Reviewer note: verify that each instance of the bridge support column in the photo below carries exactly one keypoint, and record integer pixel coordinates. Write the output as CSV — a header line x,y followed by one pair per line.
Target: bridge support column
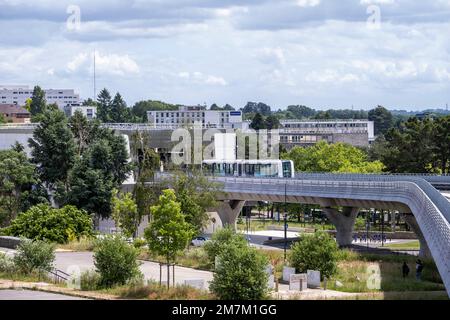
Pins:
x,y
228,212
412,223
344,221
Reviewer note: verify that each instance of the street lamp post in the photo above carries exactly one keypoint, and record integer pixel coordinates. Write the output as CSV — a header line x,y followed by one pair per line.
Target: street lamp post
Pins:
x,y
285,222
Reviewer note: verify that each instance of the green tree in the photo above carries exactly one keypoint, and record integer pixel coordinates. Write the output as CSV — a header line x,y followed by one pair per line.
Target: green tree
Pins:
x,y
168,233
258,122
125,213
241,274
301,112
227,107
88,189
82,130
32,256
43,222
146,162
104,102
119,112
2,119
315,252
323,115
441,143
16,179
38,102
196,194
382,118
253,107
90,102
115,261
409,148
220,240
272,122
338,158
53,148
140,108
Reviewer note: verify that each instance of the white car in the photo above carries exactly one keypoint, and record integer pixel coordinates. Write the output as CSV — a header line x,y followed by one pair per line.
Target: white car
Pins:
x,y
198,241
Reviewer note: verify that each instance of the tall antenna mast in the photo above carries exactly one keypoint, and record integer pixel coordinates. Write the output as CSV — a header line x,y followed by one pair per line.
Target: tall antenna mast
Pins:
x,y
95,89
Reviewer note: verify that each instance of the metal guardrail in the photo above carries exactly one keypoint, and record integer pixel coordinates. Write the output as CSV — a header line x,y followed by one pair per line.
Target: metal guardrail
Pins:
x,y
59,275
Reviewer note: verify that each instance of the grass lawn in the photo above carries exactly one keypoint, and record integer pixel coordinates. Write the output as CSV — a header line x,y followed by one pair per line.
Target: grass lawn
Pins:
x,y
260,225
153,291
411,245
383,273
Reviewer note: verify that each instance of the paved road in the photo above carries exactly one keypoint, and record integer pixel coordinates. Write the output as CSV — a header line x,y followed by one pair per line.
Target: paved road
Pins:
x,y
33,295
72,261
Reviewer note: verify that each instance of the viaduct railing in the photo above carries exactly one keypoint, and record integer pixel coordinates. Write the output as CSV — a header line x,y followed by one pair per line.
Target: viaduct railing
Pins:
x,y
430,208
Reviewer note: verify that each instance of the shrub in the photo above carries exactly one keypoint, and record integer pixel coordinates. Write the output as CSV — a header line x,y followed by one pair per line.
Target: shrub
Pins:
x,y
6,264
315,252
42,222
34,256
139,243
241,274
89,281
220,240
115,261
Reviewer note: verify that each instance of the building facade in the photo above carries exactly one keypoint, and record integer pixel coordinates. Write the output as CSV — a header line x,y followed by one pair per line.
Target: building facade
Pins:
x,y
15,114
359,133
89,112
18,95
197,115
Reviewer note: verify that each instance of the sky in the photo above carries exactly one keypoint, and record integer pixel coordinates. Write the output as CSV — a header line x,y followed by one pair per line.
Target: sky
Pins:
x,y
319,53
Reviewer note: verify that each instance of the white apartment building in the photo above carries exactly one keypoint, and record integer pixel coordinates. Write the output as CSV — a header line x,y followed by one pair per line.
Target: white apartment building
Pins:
x,y
186,116
89,112
18,95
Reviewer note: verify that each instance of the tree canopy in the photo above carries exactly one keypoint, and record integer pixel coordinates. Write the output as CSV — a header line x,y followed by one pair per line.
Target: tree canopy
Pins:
x,y
416,146
337,158
17,176
382,118
53,148
168,233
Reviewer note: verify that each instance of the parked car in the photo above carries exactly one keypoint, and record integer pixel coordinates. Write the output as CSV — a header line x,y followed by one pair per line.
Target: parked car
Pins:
x,y
198,241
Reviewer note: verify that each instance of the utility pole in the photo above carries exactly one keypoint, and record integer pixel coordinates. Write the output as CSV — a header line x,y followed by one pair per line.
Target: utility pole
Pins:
x,y
382,228
95,84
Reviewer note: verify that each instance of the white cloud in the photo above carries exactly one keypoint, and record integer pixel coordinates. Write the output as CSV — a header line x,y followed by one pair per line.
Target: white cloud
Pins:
x,y
116,64
77,62
113,64
201,78
307,3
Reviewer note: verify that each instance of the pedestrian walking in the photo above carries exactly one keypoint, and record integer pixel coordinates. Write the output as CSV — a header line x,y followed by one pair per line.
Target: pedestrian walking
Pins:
x,y
419,269
405,270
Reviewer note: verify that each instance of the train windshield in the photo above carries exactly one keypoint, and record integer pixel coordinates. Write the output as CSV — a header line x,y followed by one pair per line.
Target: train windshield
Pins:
x,y
287,169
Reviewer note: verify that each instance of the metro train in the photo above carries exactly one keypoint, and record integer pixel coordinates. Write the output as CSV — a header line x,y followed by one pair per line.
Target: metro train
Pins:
x,y
249,168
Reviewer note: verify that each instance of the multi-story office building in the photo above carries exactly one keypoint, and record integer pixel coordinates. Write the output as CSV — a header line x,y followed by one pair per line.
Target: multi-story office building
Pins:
x,y
186,116
359,133
18,95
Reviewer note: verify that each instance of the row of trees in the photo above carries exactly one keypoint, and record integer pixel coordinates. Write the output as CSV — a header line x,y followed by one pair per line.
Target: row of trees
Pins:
x,y
416,146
